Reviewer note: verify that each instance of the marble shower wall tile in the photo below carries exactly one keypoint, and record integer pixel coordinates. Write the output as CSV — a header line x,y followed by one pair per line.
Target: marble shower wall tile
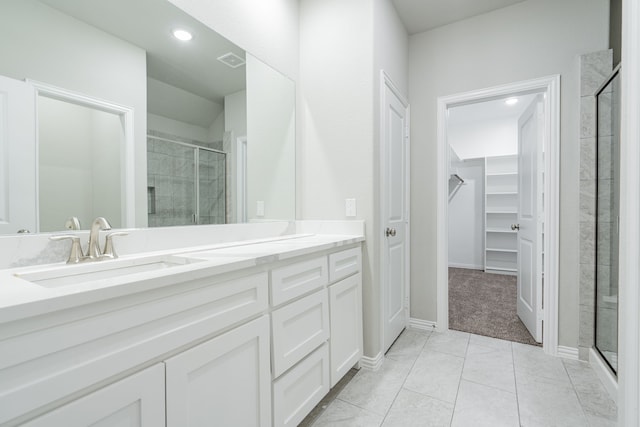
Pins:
x,y
588,158
587,117
594,68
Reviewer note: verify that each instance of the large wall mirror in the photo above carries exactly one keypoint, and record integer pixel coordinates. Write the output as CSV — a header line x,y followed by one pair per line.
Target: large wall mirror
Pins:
x,y
211,137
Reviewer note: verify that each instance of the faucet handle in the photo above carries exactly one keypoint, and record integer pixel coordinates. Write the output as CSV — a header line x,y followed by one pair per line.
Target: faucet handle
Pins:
x,y
109,250
76,255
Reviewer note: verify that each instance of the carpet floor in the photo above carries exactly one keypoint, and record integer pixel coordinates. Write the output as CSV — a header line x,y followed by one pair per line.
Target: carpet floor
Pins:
x,y
485,304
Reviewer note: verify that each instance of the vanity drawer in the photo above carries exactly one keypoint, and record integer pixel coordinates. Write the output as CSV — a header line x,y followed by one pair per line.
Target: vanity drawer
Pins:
x,y
298,391
345,263
298,329
297,279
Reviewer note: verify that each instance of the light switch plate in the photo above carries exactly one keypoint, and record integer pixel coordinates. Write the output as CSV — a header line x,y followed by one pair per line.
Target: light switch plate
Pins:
x,y
260,208
350,207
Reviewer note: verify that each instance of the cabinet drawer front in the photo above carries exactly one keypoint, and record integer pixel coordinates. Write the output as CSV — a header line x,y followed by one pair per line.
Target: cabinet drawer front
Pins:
x,y
345,263
224,381
345,306
298,391
294,280
298,329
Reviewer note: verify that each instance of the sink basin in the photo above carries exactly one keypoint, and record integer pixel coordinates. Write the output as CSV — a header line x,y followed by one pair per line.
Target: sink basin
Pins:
x,y
91,271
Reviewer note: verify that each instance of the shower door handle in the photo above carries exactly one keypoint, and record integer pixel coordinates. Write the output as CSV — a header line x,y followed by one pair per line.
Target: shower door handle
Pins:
x,y
515,227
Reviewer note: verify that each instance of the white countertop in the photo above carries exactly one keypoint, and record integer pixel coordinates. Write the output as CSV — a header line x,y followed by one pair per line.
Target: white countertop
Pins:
x,y
21,298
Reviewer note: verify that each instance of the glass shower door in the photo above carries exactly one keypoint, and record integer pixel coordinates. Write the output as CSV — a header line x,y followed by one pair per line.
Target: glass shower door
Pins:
x,y
211,187
607,220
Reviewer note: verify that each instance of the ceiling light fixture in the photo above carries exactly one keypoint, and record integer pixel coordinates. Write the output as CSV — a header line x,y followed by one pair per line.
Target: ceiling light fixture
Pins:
x,y
511,101
182,35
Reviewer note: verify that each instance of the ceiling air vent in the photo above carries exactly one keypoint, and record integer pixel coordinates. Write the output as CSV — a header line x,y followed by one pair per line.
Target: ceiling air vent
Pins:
x,y
231,59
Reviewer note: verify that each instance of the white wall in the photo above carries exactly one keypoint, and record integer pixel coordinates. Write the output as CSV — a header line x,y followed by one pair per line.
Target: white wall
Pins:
x,y
178,104
466,216
343,46
177,128
42,44
486,138
235,113
271,116
527,40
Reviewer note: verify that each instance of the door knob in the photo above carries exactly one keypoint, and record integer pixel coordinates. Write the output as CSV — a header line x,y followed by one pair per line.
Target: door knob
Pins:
x,y
515,227
390,232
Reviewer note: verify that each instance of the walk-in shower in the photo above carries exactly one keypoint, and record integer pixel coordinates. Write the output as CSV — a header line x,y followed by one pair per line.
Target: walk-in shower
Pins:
x,y
607,218
186,182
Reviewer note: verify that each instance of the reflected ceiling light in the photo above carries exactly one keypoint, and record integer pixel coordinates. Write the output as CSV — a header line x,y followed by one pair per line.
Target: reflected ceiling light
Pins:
x,y
183,35
511,101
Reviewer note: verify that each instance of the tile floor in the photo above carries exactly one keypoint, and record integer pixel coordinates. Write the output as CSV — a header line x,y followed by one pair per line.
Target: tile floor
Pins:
x,y
461,379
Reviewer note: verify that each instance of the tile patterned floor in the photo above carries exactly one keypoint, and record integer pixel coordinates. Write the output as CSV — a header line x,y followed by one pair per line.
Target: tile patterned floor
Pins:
x,y
461,379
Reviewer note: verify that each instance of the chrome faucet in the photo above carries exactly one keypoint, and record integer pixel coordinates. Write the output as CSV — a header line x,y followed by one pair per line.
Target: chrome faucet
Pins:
x,y
100,223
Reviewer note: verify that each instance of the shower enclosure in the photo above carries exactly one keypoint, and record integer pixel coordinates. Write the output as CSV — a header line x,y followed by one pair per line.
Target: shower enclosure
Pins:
x,y
186,182
607,219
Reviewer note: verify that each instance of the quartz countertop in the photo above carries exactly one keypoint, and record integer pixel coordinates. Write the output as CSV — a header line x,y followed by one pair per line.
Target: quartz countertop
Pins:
x,y
21,298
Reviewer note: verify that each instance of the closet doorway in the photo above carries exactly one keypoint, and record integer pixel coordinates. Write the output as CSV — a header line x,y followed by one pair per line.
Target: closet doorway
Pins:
x,y
498,215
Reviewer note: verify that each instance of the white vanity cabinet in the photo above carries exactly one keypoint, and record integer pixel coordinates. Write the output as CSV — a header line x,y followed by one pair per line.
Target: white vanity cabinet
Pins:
x,y
136,401
225,381
318,337
259,345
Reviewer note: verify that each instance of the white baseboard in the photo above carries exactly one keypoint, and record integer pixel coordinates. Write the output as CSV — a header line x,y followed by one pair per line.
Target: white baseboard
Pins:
x,y
568,352
603,372
372,363
425,325
467,266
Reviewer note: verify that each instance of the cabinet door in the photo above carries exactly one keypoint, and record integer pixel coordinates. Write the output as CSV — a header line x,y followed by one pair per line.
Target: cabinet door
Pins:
x,y
137,400
345,306
224,381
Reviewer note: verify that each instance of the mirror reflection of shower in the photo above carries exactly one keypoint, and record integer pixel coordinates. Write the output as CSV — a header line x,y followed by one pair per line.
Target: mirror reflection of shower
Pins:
x,y
186,181
607,219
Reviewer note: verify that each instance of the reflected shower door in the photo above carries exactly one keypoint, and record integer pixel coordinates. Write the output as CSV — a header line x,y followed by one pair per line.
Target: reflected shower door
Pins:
x,y
211,187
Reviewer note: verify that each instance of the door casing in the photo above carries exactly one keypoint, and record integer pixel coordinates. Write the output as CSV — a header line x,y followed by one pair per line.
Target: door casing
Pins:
x,y
550,87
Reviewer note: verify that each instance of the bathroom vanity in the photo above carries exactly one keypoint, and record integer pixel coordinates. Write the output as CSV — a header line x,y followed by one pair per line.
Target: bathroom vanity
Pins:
x,y
236,334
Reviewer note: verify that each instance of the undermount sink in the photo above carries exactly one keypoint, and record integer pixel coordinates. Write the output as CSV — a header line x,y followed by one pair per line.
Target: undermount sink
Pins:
x,y
89,272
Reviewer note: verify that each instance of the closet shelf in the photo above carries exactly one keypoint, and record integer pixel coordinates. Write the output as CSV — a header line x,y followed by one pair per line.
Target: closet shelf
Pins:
x,y
502,174
488,267
503,211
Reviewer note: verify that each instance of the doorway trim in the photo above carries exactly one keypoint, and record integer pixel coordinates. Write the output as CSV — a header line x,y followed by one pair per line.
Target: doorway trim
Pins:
x,y
549,85
128,143
386,82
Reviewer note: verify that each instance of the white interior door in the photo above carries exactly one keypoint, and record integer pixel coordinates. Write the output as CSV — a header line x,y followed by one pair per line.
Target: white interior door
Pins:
x,y
395,217
530,214
17,157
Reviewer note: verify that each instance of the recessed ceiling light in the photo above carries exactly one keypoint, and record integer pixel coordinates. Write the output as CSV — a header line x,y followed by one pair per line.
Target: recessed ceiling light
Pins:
x,y
183,35
511,101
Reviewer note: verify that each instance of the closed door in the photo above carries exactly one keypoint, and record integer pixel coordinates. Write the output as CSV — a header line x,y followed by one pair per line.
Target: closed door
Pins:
x,y
394,164
530,138
17,157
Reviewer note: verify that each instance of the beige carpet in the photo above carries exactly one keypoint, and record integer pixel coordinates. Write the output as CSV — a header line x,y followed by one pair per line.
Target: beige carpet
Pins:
x,y
485,304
